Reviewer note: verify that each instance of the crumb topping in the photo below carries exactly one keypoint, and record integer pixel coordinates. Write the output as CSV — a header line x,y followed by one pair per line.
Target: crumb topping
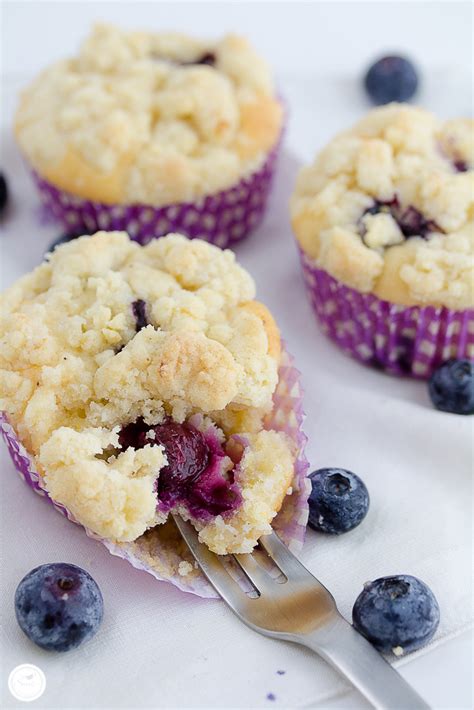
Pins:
x,y
80,360
153,118
388,207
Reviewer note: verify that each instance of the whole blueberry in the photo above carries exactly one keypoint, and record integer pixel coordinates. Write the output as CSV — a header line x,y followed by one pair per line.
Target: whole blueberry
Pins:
x,y
391,79
398,614
185,446
64,238
3,193
451,387
338,501
58,606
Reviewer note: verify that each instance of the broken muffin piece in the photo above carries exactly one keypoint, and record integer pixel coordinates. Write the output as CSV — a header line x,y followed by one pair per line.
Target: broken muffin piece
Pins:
x,y
128,424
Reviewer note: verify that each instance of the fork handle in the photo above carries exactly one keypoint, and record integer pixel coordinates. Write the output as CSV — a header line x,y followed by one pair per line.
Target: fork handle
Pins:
x,y
353,656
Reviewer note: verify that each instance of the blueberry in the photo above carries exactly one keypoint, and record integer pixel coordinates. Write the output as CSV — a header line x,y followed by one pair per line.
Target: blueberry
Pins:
x,y
338,501
64,238
208,58
186,452
398,614
451,387
391,79
461,166
139,313
414,224
411,221
193,474
3,193
185,447
58,606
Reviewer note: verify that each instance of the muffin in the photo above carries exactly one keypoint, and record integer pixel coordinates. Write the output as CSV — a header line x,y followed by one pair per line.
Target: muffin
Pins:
x,y
153,132
384,224
146,380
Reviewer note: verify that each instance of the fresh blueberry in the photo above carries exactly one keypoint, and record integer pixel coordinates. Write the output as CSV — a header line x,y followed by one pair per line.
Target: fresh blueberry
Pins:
x,y
64,238
451,387
338,501
391,79
3,193
185,447
58,606
398,614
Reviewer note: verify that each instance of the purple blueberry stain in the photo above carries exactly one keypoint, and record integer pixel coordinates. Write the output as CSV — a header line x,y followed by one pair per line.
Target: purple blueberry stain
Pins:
x,y
461,166
411,221
414,224
281,672
141,321
139,313
271,696
188,456
209,59
193,474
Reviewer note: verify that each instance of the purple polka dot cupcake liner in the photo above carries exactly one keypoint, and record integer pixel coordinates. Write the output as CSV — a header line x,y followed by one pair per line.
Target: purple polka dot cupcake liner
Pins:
x,y
402,340
223,218
161,552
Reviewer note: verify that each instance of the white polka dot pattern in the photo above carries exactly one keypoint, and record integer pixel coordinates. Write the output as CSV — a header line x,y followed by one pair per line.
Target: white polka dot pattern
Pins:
x,y
402,340
222,219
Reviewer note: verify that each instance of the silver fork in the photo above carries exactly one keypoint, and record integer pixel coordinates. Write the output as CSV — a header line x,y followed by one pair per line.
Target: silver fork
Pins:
x,y
297,607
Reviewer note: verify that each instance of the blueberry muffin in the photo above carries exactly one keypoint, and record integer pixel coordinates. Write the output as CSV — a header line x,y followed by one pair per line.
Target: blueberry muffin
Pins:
x,y
150,119
139,379
384,222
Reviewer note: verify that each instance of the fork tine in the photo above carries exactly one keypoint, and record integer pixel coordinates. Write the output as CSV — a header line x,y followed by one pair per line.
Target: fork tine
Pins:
x,y
283,557
275,547
303,611
213,568
255,572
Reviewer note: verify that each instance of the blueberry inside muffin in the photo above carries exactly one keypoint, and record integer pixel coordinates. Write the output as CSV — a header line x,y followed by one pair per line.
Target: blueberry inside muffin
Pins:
x,y
139,379
150,118
388,207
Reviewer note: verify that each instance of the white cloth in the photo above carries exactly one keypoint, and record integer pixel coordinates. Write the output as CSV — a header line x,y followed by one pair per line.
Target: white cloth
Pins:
x,y
159,647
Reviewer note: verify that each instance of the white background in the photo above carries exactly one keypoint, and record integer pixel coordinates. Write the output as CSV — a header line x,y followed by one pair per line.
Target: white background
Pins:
x,y
356,418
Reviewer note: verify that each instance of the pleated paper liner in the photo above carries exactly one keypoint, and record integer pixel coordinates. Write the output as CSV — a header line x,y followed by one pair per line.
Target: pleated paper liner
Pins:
x,y
223,218
402,340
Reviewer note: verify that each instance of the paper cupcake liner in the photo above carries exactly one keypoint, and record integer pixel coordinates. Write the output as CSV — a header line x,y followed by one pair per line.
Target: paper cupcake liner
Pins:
x,y
221,219
162,549
403,340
